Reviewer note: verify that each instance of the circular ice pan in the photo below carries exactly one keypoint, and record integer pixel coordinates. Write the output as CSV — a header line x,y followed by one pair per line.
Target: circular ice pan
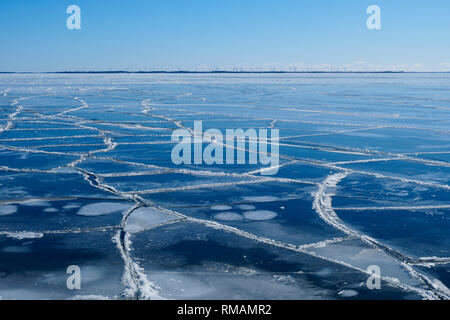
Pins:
x,y
260,215
228,216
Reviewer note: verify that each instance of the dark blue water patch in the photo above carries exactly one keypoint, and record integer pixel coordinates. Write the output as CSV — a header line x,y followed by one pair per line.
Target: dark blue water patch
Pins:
x,y
198,252
137,128
216,122
190,118
161,155
52,141
100,166
43,101
391,119
261,132
359,190
438,156
48,106
286,134
43,123
44,216
20,186
228,124
405,169
73,149
417,233
48,253
104,116
247,112
123,99
140,153
440,272
148,136
24,160
343,201
36,268
230,168
17,134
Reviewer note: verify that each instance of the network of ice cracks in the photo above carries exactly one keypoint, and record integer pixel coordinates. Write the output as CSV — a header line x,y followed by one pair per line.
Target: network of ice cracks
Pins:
x,y
22,119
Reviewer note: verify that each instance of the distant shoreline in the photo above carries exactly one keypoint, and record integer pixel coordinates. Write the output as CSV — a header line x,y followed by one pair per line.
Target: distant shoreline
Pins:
x,y
218,72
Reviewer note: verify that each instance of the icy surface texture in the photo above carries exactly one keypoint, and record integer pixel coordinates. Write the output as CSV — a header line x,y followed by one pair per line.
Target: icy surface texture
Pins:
x,y
86,179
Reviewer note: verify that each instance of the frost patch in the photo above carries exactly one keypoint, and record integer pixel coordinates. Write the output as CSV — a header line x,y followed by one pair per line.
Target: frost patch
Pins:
x,y
7,210
246,207
228,216
348,293
71,206
35,203
259,215
90,297
25,235
144,218
102,208
261,199
221,208
15,249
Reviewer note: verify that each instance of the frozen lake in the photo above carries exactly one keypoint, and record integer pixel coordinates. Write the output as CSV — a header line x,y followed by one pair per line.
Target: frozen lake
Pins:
x,y
87,179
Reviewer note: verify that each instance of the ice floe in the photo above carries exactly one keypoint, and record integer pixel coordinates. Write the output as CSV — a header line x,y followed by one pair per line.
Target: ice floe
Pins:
x,y
221,208
259,215
7,210
228,216
260,198
71,206
102,208
246,207
35,203
348,293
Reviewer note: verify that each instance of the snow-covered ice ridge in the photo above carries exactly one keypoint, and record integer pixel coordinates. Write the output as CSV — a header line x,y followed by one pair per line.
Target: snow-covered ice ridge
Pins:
x,y
87,179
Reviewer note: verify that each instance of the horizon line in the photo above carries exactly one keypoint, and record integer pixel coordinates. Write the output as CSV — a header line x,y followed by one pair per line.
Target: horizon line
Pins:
x,y
210,72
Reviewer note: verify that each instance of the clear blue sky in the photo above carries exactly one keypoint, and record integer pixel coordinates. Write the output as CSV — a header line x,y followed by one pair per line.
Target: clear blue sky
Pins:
x,y
199,34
